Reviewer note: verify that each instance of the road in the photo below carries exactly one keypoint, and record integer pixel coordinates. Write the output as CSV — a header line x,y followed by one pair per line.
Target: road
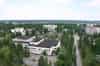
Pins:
x,y
78,56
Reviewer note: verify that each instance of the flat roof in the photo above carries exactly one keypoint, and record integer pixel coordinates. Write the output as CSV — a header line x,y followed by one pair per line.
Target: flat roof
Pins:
x,y
36,39
47,43
23,37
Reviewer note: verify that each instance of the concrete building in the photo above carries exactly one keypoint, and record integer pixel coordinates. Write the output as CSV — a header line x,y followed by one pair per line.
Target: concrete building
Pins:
x,y
19,30
38,46
92,29
50,27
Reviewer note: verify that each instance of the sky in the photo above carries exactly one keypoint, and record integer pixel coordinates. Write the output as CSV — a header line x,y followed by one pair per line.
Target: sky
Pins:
x,y
50,9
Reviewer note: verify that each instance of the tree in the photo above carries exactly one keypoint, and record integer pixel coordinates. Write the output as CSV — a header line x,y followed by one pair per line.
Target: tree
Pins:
x,y
41,61
59,28
20,53
44,53
26,52
65,56
5,56
10,54
87,53
45,30
18,34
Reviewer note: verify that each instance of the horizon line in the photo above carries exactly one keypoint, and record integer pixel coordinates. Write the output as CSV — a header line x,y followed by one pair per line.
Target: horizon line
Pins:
x,y
43,20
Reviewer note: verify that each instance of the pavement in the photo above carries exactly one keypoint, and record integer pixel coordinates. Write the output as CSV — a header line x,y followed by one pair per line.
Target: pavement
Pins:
x,y
33,60
78,56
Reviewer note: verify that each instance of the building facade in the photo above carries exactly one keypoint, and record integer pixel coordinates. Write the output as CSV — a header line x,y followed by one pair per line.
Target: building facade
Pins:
x,y
38,46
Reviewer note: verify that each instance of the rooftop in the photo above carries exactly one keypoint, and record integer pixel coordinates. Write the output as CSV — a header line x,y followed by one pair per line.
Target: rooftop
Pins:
x,y
47,43
23,37
36,40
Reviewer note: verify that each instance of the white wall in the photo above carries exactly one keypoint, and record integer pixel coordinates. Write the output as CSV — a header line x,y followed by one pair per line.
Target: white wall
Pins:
x,y
21,30
39,50
92,30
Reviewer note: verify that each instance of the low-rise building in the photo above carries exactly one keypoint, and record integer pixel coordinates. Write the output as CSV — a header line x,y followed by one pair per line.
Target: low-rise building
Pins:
x,y
38,46
47,45
50,27
19,30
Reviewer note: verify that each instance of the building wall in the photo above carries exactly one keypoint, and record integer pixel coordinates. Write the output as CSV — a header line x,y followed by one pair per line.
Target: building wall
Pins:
x,y
21,30
92,30
39,50
50,27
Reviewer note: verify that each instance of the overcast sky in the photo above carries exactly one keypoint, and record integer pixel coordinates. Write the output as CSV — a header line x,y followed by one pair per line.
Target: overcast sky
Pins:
x,y
50,9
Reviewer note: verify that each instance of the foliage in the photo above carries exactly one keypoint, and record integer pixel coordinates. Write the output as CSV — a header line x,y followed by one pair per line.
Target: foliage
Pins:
x,y
87,53
26,52
10,54
43,61
97,46
44,53
65,57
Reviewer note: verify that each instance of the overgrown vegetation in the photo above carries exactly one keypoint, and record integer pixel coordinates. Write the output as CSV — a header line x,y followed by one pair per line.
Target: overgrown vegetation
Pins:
x,y
65,56
10,54
87,50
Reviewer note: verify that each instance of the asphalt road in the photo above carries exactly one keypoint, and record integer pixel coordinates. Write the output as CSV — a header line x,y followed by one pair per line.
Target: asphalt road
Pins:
x,y
78,56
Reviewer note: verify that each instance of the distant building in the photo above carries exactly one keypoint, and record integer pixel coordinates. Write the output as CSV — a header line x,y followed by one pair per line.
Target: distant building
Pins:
x,y
19,30
37,46
92,29
50,27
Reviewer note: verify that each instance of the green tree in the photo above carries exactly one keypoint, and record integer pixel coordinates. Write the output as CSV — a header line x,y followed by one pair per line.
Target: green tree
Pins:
x,y
41,61
5,56
10,54
86,48
65,56
26,52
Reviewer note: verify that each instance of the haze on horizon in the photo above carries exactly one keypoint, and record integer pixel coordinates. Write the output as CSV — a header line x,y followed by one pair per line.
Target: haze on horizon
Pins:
x,y
50,9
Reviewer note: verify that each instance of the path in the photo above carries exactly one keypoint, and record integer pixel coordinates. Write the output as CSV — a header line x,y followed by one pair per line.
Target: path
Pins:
x,y
78,56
